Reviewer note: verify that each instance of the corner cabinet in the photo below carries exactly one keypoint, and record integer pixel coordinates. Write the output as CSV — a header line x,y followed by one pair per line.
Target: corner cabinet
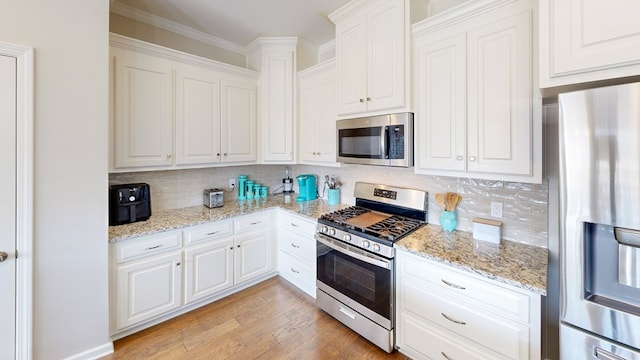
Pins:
x,y
317,116
173,110
588,40
476,110
443,313
372,52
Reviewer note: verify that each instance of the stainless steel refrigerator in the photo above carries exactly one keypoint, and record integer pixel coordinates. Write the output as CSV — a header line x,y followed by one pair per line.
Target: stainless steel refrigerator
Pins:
x,y
599,137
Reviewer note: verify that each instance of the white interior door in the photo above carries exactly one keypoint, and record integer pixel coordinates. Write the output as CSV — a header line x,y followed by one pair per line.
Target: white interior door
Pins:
x,y
8,205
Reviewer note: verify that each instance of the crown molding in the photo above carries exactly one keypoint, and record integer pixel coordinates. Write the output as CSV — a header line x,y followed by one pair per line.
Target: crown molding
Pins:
x,y
171,26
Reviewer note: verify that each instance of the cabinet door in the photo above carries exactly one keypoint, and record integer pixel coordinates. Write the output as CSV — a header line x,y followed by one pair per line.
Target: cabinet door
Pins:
x,y
143,114
148,288
318,117
351,61
197,116
441,103
499,93
386,56
277,106
253,255
589,40
208,269
238,121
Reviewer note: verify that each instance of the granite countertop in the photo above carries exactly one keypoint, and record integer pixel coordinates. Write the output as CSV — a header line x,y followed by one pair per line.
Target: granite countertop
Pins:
x,y
194,215
520,265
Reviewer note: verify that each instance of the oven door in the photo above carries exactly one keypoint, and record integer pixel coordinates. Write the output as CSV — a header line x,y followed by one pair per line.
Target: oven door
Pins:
x,y
357,278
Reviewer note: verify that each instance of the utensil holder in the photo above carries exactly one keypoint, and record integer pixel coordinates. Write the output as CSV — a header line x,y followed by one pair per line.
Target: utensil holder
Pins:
x,y
333,196
448,220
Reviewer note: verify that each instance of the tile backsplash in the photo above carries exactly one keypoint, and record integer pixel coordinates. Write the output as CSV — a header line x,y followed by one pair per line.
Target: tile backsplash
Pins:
x,y
525,206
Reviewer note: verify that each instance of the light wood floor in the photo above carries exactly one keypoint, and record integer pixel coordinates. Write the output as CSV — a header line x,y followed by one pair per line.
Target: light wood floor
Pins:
x,y
271,320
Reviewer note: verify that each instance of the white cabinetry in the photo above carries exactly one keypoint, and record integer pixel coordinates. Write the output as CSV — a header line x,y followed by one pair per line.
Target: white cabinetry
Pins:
x,y
148,278
143,102
150,283
372,56
446,313
317,114
153,87
275,59
297,251
588,40
476,113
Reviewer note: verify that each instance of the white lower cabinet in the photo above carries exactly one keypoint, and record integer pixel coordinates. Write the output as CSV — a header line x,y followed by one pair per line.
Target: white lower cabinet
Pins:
x,y
297,251
156,277
443,313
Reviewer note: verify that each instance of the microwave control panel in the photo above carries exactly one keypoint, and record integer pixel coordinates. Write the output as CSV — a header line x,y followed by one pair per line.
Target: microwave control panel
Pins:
x,y
395,141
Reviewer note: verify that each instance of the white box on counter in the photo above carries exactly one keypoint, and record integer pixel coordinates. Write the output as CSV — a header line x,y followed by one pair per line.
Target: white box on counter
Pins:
x,y
487,230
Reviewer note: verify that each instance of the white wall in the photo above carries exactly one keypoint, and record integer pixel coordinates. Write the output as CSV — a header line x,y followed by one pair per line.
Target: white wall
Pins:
x,y
70,39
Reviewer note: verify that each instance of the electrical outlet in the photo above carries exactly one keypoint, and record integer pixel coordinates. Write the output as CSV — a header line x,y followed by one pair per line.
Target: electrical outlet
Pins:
x,y
232,183
496,209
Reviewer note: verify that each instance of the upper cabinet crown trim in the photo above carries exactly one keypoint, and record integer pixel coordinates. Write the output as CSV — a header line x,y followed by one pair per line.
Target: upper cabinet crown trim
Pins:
x,y
144,47
349,8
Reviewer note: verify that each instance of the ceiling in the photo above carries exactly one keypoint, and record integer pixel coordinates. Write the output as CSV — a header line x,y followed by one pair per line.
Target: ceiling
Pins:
x,y
242,21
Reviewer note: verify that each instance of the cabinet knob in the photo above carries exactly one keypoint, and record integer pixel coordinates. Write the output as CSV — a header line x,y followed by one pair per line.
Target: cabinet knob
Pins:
x,y
368,98
459,158
218,154
225,154
361,100
168,156
472,158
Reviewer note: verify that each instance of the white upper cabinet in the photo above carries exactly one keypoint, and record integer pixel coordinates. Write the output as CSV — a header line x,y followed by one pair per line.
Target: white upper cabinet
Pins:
x,y
275,59
476,113
372,56
588,40
317,114
171,109
197,116
143,109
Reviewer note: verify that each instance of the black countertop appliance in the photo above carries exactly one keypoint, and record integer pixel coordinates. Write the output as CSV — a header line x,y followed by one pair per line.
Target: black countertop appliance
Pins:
x,y
129,203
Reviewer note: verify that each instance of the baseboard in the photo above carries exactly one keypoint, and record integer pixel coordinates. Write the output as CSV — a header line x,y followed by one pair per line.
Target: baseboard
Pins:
x,y
95,353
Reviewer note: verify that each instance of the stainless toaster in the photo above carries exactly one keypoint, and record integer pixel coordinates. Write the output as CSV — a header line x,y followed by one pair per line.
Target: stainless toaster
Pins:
x,y
213,198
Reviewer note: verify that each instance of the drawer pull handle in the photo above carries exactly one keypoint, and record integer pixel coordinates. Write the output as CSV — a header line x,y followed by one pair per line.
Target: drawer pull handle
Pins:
x,y
213,233
295,271
348,313
605,355
453,320
295,225
154,247
295,246
255,223
444,355
453,285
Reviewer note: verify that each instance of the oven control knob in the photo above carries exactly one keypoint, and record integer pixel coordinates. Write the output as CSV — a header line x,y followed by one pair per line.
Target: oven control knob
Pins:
x,y
376,247
366,244
332,232
346,237
324,229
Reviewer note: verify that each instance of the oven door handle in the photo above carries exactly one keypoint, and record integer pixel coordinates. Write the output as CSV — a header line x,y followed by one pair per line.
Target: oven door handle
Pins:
x,y
354,252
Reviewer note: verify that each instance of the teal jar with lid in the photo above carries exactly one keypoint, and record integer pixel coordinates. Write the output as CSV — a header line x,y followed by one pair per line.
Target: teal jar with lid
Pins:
x,y
242,183
250,189
256,190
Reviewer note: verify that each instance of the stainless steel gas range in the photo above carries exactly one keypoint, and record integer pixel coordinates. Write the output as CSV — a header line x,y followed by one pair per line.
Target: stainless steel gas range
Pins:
x,y
355,258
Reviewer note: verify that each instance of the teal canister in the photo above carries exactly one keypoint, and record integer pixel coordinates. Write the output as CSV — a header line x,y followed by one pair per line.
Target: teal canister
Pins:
x,y
249,189
256,190
242,183
264,191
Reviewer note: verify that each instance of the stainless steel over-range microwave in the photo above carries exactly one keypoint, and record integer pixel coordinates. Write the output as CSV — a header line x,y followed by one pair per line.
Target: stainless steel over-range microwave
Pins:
x,y
385,140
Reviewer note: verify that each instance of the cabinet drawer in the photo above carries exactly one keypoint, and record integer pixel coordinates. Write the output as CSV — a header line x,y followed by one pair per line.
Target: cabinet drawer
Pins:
x,y
253,222
505,302
509,338
420,339
297,224
148,245
299,246
300,274
207,232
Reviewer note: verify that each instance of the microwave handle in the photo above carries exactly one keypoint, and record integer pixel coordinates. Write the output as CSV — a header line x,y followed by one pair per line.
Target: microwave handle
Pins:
x,y
384,142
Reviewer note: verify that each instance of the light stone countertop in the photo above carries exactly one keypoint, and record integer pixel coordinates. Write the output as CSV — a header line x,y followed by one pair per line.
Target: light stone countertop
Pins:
x,y
519,265
512,263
